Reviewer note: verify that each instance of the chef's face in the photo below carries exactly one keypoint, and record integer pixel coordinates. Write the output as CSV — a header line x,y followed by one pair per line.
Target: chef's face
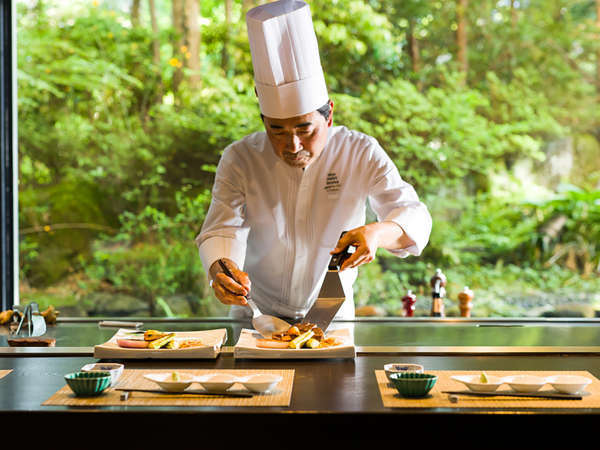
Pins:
x,y
298,141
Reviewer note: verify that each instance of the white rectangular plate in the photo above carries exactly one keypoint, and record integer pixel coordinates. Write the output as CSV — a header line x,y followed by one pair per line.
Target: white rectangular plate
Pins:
x,y
212,340
246,348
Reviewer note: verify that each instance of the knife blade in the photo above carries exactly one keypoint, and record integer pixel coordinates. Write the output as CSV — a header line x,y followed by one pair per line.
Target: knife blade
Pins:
x,y
38,323
189,392
331,295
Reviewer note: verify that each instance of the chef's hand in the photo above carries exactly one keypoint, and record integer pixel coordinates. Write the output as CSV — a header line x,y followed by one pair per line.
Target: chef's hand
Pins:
x,y
230,291
367,239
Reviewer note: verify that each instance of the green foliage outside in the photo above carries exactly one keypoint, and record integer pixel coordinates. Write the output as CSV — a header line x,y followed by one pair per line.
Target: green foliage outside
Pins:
x,y
117,158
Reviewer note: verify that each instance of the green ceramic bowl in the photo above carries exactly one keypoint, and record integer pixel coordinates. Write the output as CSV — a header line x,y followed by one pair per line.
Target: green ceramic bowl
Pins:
x,y
413,384
88,384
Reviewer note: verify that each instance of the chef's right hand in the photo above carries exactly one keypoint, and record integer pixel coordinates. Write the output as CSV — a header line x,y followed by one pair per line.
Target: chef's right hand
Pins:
x,y
230,291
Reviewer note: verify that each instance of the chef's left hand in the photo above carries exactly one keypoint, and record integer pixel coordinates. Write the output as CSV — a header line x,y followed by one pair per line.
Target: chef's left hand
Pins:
x,y
367,239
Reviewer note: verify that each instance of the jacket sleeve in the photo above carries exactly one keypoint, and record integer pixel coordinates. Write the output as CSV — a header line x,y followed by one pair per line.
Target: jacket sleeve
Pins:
x,y
395,200
224,232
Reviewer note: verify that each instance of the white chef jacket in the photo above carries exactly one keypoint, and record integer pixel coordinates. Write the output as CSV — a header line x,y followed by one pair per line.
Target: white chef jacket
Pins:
x,y
279,223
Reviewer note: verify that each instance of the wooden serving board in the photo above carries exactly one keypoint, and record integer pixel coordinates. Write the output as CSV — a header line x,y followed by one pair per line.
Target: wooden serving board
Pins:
x,y
246,348
436,399
212,340
134,379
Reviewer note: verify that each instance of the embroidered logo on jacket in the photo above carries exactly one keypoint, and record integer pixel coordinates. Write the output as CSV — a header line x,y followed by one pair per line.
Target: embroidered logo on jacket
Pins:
x,y
332,185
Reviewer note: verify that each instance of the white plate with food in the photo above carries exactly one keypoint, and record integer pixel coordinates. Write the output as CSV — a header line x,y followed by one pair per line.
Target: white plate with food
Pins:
x,y
479,383
172,381
160,344
300,343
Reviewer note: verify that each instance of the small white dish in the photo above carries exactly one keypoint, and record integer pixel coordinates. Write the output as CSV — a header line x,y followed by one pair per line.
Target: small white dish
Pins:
x,y
525,383
261,382
172,381
217,382
569,384
474,383
401,368
114,369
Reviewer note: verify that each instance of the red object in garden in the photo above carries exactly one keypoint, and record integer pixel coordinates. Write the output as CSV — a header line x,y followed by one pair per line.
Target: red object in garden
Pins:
x,y
409,301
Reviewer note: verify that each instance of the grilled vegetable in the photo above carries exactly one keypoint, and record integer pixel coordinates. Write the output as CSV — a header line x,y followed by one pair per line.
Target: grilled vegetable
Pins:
x,y
312,343
5,316
297,342
151,335
173,344
50,314
158,343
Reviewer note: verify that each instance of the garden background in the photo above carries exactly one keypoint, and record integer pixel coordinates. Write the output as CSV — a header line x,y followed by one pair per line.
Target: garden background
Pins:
x,y
491,109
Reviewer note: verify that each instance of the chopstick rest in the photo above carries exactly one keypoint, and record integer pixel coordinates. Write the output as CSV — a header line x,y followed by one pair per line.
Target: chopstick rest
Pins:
x,y
549,395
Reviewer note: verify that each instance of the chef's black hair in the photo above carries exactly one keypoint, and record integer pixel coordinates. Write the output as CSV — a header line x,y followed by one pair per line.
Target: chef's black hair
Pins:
x,y
324,110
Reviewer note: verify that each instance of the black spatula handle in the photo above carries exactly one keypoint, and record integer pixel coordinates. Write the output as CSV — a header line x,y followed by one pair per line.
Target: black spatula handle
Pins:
x,y
338,258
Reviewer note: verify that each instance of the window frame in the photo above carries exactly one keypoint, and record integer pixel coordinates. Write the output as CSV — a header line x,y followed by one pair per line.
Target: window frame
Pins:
x,y
9,241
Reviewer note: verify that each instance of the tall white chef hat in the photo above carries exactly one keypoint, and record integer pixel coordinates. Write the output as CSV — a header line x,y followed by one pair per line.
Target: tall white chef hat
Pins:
x,y
285,55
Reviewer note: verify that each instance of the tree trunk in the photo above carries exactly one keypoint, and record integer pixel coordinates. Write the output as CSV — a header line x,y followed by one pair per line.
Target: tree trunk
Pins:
x,y
153,96
135,13
598,51
178,16
413,48
192,41
461,37
226,38
512,48
155,40
513,14
414,52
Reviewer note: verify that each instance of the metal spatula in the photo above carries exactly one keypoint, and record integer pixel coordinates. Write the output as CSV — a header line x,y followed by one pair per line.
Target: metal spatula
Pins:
x,y
332,295
266,325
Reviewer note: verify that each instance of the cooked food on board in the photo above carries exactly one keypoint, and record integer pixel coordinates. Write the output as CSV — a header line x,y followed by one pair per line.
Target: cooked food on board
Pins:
x,y
154,340
298,336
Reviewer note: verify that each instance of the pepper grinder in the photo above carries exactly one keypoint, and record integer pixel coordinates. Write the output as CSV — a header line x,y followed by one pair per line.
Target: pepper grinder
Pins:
x,y
465,299
409,301
438,283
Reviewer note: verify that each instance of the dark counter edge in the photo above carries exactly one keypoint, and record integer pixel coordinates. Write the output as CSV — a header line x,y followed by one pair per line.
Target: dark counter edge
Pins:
x,y
472,429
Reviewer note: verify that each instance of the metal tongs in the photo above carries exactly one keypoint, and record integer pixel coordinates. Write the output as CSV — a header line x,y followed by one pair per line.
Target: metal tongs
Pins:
x,y
36,324
266,325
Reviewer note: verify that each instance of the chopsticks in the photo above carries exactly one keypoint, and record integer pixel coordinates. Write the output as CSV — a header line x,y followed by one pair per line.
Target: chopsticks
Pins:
x,y
189,392
550,395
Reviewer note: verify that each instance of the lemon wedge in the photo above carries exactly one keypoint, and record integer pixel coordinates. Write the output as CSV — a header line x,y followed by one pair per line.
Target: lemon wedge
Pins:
x,y
175,376
483,377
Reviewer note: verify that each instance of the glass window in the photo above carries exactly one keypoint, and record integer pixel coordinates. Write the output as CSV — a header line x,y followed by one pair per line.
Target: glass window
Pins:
x,y
490,109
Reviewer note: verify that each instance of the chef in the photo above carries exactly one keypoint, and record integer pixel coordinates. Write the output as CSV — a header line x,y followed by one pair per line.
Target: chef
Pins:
x,y
281,198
